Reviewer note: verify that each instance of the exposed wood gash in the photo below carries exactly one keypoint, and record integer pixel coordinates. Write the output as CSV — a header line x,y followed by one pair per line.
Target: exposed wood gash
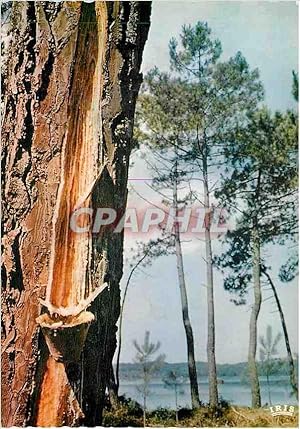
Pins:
x,y
69,98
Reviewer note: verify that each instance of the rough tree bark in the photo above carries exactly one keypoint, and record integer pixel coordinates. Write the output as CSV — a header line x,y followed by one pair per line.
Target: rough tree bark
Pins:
x,y
70,90
185,308
252,367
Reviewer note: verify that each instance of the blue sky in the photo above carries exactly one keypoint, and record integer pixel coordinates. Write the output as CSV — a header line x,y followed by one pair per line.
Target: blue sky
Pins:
x,y
266,33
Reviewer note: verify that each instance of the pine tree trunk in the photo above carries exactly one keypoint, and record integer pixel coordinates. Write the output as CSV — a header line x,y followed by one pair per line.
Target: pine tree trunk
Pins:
x,y
176,404
269,389
112,389
144,410
211,353
252,367
185,312
119,348
70,92
293,379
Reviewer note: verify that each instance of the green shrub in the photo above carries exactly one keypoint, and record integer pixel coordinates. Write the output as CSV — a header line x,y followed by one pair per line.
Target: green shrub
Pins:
x,y
184,413
121,417
161,416
134,408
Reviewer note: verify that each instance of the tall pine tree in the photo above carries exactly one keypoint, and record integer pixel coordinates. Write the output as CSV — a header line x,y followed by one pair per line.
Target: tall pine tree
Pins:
x,y
195,108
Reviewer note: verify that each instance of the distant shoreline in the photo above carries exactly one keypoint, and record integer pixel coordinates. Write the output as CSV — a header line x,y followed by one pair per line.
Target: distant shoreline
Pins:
x,y
131,371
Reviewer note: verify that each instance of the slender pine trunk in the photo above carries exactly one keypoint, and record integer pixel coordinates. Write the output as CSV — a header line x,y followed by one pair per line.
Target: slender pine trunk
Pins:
x,y
293,378
252,367
176,404
144,410
211,354
112,389
185,312
121,321
269,390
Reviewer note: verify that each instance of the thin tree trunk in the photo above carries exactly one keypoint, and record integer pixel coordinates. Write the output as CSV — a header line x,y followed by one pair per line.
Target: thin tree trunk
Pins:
x,y
269,390
70,93
176,404
185,312
112,389
293,379
121,320
211,353
144,411
252,367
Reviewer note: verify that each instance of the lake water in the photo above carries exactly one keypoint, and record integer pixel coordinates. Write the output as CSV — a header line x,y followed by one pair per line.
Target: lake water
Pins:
x,y
232,390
